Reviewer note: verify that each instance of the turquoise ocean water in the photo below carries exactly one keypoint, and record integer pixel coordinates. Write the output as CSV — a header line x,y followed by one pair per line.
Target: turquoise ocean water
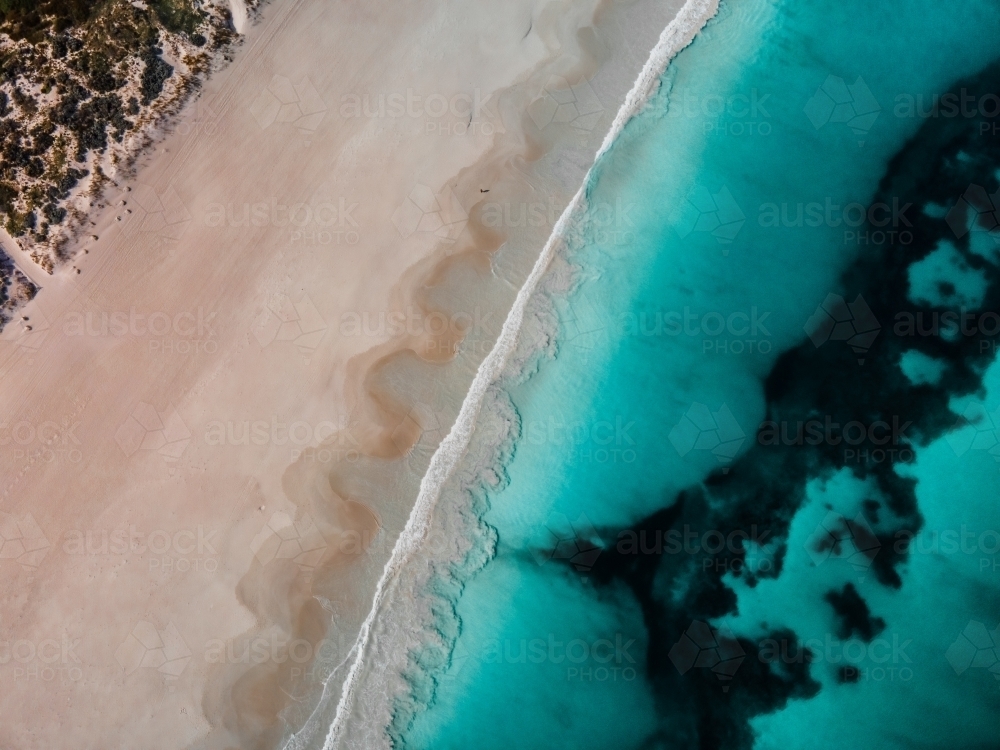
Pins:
x,y
753,501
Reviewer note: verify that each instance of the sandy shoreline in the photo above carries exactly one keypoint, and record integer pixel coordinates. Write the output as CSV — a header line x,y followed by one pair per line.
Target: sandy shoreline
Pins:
x,y
377,696
214,433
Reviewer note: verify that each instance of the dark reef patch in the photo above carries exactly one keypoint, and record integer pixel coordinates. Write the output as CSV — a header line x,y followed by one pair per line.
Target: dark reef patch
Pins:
x,y
855,617
705,702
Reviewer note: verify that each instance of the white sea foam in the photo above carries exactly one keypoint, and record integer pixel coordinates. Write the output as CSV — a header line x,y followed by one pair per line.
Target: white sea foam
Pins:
x,y
678,33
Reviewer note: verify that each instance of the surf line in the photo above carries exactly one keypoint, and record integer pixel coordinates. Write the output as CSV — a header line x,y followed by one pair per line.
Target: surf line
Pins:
x,y
689,20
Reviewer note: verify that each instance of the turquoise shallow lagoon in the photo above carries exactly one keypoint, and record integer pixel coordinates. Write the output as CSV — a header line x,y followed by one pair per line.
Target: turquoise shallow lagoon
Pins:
x,y
753,498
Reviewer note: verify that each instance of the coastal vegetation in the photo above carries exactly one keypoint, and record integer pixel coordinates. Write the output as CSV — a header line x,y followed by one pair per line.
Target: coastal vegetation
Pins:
x,y
83,83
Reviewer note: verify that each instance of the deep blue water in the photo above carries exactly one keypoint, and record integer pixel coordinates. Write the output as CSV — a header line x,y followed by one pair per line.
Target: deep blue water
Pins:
x,y
754,498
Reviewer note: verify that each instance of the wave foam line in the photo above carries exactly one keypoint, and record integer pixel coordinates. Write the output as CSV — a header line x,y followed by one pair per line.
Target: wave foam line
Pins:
x,y
677,35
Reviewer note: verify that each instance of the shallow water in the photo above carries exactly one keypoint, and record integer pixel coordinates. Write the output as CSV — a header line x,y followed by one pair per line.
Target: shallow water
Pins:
x,y
731,512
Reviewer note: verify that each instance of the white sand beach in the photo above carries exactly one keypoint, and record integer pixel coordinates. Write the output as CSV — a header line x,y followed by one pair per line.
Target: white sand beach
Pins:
x,y
211,436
